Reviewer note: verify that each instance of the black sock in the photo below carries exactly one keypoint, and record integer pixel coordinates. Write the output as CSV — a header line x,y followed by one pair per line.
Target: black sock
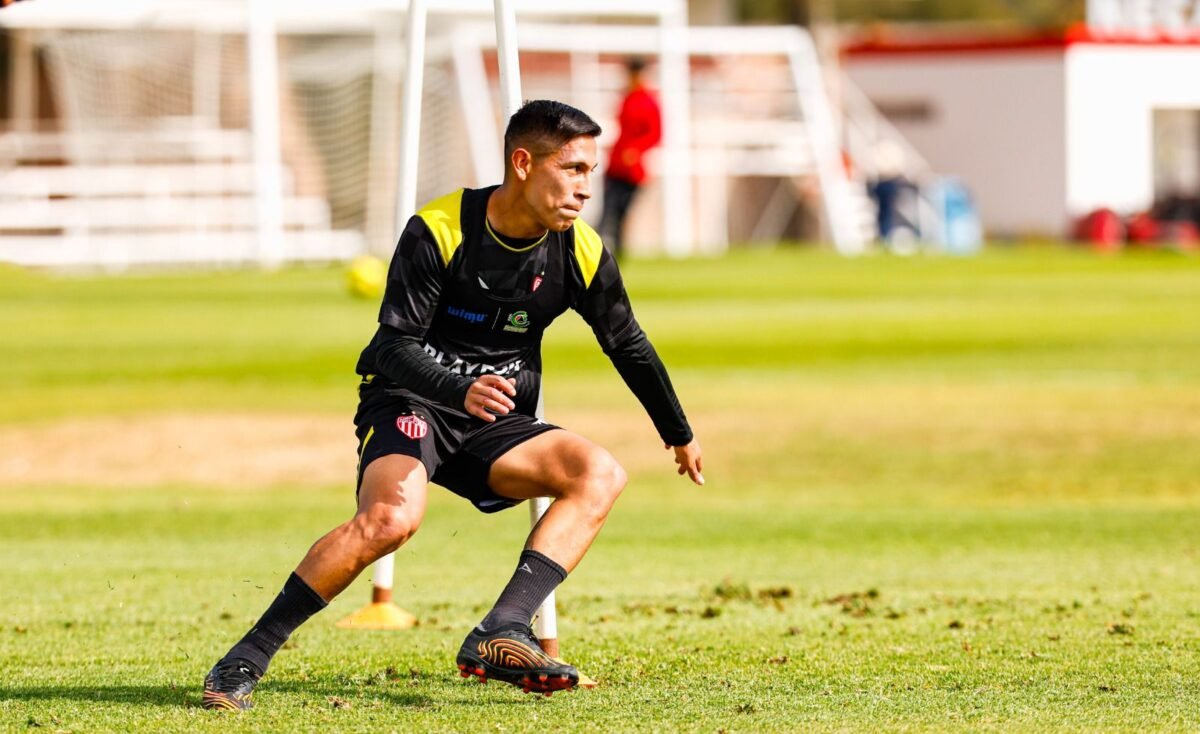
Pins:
x,y
294,605
536,576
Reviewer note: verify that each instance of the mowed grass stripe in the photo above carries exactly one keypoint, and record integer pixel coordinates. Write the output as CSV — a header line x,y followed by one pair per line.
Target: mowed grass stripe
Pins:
x,y
300,331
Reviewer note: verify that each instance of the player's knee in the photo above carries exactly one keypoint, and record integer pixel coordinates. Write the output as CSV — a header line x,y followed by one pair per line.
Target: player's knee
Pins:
x,y
604,479
385,528
617,478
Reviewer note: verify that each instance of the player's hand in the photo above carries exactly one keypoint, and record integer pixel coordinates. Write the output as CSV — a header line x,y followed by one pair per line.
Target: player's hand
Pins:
x,y
690,460
489,396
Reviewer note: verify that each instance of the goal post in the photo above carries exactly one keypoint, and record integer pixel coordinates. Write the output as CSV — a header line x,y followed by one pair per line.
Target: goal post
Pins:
x,y
382,612
546,618
265,132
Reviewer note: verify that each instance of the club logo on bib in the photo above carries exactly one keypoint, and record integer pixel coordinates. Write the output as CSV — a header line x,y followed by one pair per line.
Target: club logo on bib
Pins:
x,y
537,281
518,321
413,426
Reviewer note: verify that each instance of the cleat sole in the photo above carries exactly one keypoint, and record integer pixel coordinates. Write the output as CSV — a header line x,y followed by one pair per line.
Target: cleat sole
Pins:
x,y
527,681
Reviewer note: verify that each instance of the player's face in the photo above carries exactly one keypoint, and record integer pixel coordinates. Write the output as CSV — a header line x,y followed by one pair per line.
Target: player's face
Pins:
x,y
560,182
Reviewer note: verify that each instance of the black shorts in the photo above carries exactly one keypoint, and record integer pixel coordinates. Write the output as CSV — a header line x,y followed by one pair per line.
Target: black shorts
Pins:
x,y
456,448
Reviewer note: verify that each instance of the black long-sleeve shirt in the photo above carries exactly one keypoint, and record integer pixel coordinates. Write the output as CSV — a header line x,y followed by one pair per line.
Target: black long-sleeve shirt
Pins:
x,y
461,303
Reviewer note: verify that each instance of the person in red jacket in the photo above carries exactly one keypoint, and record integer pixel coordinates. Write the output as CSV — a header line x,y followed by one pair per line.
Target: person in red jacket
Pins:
x,y
641,129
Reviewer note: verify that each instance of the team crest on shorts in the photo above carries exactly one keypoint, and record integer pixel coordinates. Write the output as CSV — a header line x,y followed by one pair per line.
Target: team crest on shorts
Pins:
x,y
413,426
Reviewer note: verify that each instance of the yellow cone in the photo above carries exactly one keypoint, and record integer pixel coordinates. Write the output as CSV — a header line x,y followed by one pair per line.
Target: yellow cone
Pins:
x,y
586,682
382,615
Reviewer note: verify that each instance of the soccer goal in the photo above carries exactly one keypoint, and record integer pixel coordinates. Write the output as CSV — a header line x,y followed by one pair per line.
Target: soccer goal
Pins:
x,y
750,136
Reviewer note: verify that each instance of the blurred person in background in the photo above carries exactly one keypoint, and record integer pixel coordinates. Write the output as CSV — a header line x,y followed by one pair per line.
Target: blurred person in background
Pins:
x,y
888,189
641,129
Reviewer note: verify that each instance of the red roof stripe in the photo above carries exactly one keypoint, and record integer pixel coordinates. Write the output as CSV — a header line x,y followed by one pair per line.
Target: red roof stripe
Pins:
x,y
1080,34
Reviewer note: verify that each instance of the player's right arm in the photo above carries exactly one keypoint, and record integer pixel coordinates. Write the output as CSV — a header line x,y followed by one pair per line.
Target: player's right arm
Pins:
x,y
410,302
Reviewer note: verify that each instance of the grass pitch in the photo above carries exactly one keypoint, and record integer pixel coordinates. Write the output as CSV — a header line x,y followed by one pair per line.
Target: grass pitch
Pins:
x,y
942,494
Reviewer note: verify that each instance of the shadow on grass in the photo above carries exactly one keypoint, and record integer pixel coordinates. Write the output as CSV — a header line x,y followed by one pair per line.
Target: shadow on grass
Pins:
x,y
189,696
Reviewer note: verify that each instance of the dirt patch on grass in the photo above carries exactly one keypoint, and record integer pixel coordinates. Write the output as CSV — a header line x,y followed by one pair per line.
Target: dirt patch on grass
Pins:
x,y
231,450
1005,440
222,450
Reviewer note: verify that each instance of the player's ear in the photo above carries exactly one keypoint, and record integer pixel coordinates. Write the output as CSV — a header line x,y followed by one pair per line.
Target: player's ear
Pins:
x,y
522,163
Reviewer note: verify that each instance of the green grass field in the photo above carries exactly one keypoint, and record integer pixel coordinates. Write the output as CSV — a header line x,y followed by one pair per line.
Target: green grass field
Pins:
x,y
942,495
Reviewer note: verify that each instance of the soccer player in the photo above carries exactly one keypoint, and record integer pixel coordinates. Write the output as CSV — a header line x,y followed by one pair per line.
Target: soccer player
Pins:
x,y
641,130
450,384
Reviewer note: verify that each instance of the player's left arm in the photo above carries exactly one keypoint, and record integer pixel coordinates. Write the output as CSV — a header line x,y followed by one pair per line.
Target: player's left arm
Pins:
x,y
604,304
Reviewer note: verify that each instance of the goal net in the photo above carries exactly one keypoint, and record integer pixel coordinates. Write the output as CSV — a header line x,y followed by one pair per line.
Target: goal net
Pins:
x,y
155,157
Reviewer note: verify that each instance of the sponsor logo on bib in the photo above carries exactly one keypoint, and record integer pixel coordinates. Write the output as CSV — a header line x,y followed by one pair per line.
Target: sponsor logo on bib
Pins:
x,y
518,321
465,315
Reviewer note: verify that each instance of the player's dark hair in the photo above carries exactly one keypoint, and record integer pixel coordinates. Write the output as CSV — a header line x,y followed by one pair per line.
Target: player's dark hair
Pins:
x,y
542,126
635,64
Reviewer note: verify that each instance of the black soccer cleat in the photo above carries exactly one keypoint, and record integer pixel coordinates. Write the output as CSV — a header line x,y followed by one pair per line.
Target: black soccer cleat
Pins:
x,y
229,686
512,654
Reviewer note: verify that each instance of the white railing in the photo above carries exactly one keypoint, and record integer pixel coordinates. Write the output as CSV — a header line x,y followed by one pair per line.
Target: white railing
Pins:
x,y
154,197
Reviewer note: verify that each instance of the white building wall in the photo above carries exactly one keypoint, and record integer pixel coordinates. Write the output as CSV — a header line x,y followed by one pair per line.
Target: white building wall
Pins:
x,y
1112,92
995,119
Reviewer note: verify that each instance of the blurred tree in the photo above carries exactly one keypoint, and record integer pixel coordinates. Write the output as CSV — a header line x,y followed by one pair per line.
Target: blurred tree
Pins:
x,y
1032,13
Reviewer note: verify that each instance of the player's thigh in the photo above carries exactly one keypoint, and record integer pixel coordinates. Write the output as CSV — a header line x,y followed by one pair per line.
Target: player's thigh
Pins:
x,y
552,464
394,489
